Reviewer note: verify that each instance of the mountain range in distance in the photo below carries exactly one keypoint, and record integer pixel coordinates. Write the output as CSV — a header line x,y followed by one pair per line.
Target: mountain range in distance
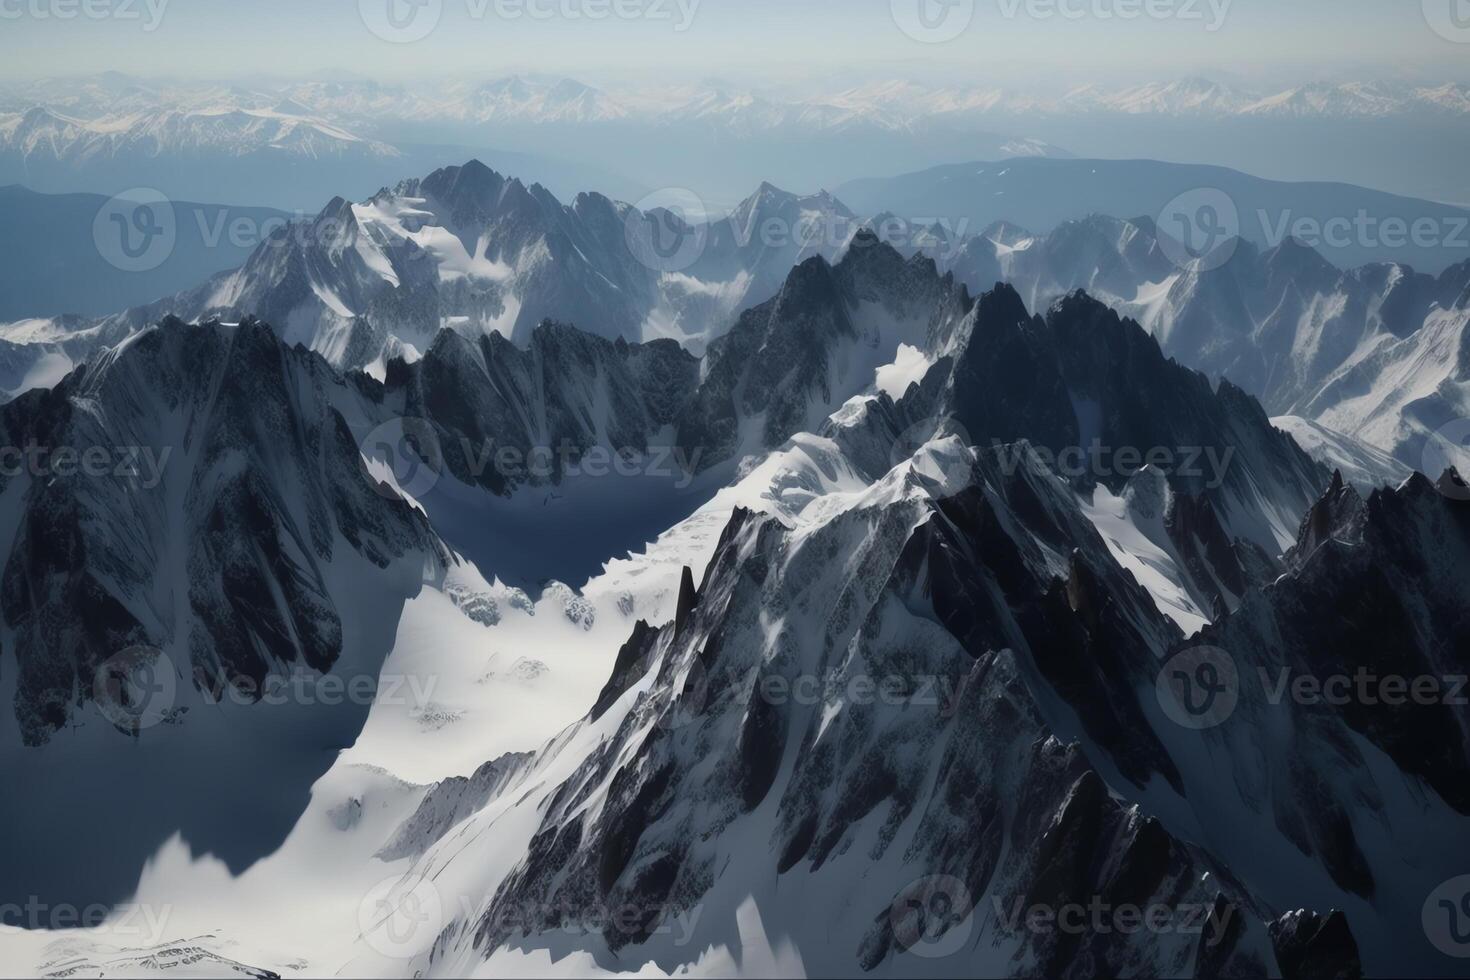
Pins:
x,y
110,132
895,104
1364,362
1349,226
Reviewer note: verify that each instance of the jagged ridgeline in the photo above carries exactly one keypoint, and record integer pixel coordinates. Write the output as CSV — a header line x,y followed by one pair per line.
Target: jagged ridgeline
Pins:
x,y
934,543
1375,354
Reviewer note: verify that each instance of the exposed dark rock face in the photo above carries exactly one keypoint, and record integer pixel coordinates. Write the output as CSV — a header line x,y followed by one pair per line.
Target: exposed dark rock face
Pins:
x,y
1315,947
222,483
1338,515
945,779
501,417
793,360
1084,382
632,663
940,699
1372,598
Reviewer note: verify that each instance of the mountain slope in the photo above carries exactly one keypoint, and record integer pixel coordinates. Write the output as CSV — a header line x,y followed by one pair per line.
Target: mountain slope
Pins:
x,y
191,545
1372,353
894,672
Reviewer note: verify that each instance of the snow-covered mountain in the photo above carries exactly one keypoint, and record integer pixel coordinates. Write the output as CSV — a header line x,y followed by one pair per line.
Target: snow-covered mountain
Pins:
x,y
212,537
1369,354
481,253
684,762
159,554
1193,97
515,99
306,140
894,103
42,137
119,103
1360,464
113,133
1372,354
902,674
258,150
719,136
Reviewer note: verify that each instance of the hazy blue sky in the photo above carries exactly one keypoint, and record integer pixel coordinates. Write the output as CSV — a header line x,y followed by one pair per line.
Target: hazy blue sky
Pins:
x,y
1019,38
